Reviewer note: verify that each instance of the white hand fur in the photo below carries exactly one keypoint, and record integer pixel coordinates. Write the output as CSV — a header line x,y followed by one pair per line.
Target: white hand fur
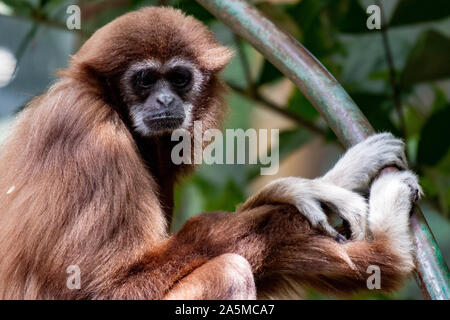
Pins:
x,y
336,189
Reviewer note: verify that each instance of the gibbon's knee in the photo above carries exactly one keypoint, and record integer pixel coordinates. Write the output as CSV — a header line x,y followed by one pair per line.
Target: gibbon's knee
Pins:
x,y
226,277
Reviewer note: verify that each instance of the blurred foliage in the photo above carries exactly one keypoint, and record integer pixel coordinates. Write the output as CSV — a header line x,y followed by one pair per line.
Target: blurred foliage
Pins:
x,y
335,32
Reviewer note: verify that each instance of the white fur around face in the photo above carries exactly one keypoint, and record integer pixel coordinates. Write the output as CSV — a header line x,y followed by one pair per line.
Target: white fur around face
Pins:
x,y
137,110
188,116
197,76
137,118
125,81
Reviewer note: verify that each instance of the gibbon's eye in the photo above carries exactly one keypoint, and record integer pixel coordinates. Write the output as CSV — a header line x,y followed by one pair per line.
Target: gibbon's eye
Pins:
x,y
145,79
180,77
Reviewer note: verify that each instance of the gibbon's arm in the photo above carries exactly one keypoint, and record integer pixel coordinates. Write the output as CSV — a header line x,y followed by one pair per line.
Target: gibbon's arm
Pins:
x,y
216,255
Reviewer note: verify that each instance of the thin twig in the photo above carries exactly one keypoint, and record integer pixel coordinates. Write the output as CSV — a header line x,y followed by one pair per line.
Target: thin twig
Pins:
x,y
252,93
255,97
244,62
25,43
392,74
49,23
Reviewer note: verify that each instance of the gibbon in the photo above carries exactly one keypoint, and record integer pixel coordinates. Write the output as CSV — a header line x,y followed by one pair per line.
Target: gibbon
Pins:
x,y
87,180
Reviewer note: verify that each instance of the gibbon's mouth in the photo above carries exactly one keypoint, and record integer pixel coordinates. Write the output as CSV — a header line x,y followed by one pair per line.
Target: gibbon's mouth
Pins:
x,y
164,122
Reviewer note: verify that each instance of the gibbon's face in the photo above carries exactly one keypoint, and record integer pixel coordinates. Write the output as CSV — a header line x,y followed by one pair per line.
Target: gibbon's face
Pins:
x,y
161,95
162,63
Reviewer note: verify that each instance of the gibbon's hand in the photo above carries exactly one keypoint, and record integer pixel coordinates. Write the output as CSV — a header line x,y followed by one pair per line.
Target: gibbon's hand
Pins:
x,y
310,197
392,197
335,190
363,162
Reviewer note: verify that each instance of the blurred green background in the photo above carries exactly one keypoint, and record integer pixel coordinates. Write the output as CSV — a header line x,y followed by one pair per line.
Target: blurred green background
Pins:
x,y
399,77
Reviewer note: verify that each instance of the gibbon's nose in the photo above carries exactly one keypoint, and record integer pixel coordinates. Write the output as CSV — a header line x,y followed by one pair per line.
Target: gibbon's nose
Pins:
x,y
165,100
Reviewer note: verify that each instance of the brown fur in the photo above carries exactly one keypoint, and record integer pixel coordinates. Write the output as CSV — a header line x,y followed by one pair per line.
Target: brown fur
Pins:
x,y
88,192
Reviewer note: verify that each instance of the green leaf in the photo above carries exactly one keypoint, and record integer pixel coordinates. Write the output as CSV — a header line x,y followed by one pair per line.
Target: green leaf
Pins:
x,y
434,140
318,35
52,5
440,100
217,197
437,184
417,11
300,105
230,196
193,8
306,11
444,164
289,141
376,108
269,73
353,17
429,59
189,200
414,120
21,7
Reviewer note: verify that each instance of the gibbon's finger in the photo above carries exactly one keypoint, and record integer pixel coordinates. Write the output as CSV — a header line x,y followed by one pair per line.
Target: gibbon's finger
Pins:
x,y
308,196
362,163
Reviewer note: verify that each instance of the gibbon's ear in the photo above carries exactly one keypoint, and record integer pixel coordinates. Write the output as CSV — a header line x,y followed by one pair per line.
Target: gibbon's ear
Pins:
x,y
216,58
